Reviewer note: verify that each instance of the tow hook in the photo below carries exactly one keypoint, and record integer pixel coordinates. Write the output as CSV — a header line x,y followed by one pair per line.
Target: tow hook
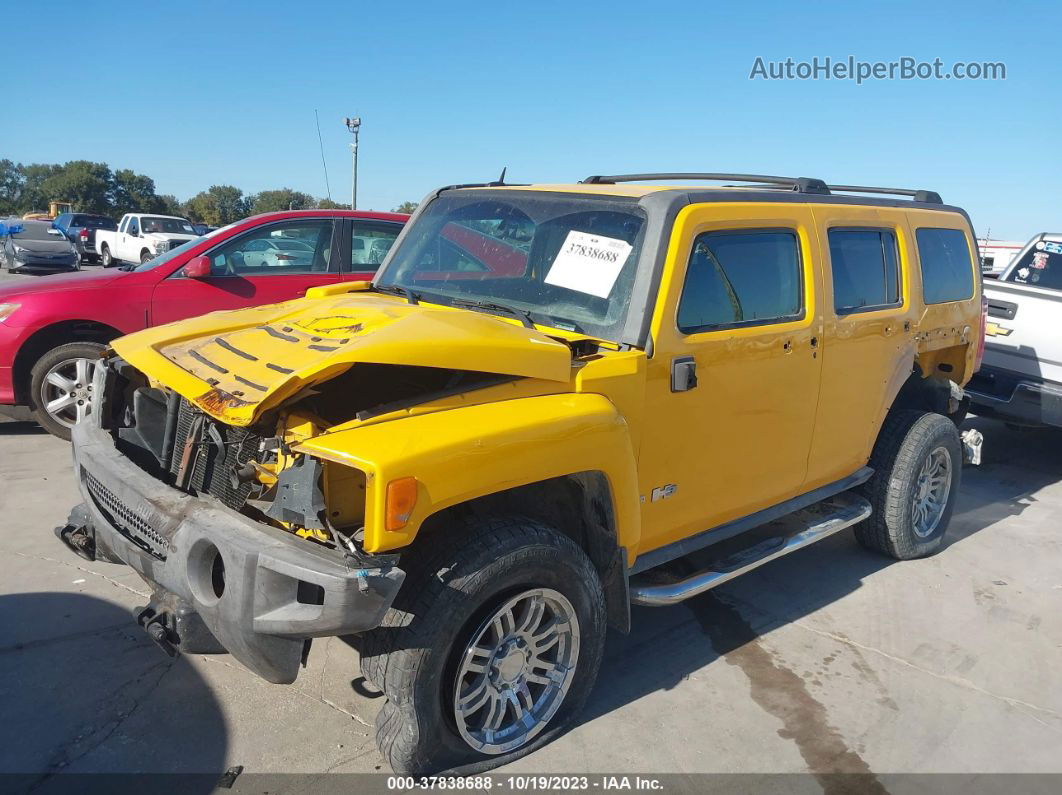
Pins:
x,y
78,535
155,624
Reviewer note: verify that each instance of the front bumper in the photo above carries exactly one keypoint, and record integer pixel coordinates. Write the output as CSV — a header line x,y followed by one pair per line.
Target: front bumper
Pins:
x,y
1010,396
44,264
260,591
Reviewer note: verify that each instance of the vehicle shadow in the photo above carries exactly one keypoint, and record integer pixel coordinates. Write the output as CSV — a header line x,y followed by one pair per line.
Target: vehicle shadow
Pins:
x,y
1016,464
661,649
84,691
20,428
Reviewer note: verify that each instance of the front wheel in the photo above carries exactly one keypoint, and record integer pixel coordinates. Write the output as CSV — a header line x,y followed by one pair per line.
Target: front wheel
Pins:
x,y
917,464
145,256
491,649
61,386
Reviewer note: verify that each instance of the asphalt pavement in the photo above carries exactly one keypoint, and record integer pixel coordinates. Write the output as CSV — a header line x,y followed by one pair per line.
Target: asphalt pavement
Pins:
x,y
832,659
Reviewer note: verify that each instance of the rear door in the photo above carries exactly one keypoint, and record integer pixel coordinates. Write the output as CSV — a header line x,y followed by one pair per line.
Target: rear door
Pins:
x,y
868,335
240,277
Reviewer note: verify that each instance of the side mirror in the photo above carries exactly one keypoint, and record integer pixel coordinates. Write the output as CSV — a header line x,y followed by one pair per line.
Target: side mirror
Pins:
x,y
197,267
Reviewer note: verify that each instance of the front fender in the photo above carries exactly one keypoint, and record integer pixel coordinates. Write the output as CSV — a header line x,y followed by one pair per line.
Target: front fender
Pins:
x,y
464,453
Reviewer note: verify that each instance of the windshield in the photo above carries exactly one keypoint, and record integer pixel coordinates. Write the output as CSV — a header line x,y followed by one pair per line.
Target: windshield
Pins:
x,y
93,222
566,261
1041,266
34,230
290,245
175,226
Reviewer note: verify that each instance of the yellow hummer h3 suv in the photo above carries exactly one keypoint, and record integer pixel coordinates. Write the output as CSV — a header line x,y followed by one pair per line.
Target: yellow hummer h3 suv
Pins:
x,y
552,402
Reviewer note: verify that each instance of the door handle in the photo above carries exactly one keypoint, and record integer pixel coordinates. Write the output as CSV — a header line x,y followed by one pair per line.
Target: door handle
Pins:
x,y
683,374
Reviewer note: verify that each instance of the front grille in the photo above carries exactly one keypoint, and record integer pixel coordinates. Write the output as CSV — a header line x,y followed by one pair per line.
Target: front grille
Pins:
x,y
125,519
213,468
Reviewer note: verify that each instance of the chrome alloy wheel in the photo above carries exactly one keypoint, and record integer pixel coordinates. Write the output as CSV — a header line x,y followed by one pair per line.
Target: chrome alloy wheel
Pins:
x,y
66,391
516,671
931,492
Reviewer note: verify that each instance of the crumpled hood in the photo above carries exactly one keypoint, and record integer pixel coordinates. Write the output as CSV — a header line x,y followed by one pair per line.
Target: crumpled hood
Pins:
x,y
235,365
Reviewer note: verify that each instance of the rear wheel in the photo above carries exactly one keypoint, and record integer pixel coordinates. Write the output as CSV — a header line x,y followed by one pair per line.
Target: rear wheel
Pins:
x,y
917,465
105,257
61,386
490,650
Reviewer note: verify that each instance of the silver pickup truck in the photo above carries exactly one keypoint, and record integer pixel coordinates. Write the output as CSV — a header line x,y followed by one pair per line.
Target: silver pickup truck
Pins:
x,y
1020,380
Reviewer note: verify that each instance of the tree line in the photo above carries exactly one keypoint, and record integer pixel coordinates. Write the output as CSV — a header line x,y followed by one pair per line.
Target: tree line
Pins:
x,y
95,188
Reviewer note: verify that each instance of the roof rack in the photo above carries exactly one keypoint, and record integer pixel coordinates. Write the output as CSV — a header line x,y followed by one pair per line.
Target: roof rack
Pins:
x,y
798,184
926,196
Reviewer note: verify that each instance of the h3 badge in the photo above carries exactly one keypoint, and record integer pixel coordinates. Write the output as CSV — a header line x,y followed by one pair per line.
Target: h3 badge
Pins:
x,y
662,492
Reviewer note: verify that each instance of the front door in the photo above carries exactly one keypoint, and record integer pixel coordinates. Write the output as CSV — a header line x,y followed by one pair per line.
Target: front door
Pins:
x,y
271,263
128,241
734,378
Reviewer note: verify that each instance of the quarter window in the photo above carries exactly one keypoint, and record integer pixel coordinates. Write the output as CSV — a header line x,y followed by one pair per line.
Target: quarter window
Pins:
x,y
746,277
865,271
947,268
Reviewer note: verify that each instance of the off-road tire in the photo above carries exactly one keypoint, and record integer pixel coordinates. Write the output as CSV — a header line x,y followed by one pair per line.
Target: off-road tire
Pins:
x,y
72,350
452,582
106,260
907,438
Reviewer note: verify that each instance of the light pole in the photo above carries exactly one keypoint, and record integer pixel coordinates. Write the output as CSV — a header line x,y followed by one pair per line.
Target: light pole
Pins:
x,y
354,125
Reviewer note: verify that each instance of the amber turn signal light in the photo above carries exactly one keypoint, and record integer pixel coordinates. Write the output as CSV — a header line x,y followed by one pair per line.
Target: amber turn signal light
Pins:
x,y
401,497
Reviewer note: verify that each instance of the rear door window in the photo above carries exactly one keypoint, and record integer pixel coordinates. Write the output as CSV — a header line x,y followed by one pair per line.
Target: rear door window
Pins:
x,y
1041,266
947,267
866,275
745,277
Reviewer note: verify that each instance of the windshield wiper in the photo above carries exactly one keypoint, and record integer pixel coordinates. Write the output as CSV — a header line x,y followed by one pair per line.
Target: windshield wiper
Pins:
x,y
394,289
487,306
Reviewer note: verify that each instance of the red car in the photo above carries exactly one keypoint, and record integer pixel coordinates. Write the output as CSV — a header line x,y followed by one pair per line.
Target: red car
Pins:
x,y
53,328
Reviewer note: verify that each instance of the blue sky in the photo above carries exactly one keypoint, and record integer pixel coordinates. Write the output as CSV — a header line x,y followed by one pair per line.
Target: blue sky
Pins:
x,y
195,94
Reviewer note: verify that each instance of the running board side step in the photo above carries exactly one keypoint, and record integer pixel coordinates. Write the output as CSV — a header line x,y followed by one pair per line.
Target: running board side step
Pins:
x,y
794,531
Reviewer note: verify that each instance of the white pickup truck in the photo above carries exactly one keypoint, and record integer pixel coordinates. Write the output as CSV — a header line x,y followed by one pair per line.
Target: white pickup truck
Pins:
x,y
141,237
1020,380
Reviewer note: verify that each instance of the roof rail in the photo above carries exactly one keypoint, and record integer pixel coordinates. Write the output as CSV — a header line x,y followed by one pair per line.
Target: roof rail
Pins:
x,y
799,184
926,196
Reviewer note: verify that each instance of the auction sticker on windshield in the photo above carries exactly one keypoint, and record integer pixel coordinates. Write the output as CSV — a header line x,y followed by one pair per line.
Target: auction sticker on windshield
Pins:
x,y
588,263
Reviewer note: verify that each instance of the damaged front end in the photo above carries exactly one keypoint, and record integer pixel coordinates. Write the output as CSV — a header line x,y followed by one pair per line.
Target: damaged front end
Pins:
x,y
206,463
228,526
